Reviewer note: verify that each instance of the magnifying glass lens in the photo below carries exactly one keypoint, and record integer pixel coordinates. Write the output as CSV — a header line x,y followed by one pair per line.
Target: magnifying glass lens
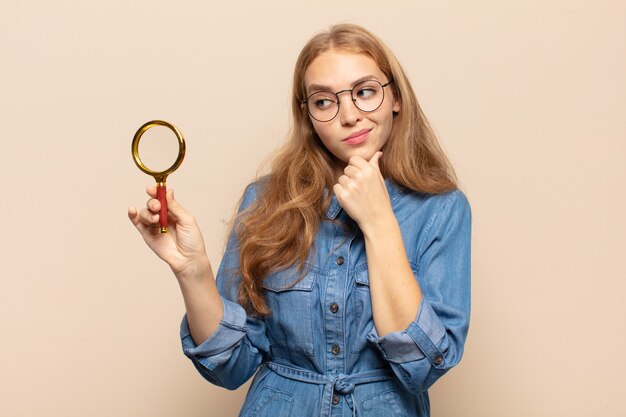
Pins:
x,y
158,148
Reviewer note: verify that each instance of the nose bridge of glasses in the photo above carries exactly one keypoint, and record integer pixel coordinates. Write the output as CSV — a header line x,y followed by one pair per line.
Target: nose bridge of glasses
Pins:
x,y
350,90
350,110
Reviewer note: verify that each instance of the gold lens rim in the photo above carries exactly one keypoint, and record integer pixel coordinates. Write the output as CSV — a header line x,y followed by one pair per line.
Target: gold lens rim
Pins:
x,y
159,176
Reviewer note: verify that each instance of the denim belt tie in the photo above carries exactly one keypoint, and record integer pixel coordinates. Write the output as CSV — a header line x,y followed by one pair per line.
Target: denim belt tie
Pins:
x,y
341,383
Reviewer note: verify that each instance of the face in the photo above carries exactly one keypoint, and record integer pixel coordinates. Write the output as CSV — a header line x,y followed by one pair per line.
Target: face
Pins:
x,y
352,132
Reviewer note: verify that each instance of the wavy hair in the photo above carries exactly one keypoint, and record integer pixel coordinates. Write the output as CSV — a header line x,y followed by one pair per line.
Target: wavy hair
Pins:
x,y
278,229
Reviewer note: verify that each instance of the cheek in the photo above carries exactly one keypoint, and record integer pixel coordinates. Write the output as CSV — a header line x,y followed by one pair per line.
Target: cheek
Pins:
x,y
323,131
387,126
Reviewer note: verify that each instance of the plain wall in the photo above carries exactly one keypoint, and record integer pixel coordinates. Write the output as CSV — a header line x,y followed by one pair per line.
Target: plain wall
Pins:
x,y
527,97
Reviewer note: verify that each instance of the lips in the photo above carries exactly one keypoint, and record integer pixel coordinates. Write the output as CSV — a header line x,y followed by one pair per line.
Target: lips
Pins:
x,y
357,137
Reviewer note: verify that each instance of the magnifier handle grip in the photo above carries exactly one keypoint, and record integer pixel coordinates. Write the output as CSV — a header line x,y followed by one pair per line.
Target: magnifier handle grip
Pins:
x,y
161,191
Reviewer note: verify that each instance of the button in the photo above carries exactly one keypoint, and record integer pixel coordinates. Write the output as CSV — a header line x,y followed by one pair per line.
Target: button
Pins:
x,y
334,307
438,359
335,399
340,260
335,349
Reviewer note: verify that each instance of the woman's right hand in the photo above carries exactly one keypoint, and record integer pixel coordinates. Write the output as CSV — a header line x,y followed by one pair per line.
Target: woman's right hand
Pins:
x,y
182,247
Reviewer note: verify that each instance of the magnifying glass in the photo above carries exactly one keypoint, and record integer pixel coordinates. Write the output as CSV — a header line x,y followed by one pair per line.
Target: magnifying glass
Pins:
x,y
159,176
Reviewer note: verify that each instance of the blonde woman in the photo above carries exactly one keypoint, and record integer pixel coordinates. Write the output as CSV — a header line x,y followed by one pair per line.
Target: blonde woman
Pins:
x,y
345,284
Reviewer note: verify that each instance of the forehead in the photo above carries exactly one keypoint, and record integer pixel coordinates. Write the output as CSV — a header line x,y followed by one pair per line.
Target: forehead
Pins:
x,y
337,69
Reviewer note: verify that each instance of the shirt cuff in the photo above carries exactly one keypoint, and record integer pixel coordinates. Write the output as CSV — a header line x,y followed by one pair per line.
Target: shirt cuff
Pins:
x,y
218,348
425,337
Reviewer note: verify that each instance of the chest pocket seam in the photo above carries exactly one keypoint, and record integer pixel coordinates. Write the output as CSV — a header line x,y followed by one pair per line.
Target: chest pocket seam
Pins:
x,y
291,323
276,283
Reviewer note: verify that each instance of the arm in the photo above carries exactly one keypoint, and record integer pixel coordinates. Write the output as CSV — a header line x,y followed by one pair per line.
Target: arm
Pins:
x,y
421,319
395,293
223,343
232,354
433,341
183,250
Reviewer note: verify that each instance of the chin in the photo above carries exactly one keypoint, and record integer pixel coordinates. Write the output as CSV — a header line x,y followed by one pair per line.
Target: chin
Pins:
x,y
366,154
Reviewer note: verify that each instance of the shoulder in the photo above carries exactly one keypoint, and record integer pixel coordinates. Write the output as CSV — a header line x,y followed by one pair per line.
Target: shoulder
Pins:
x,y
433,210
252,192
450,211
451,201
454,199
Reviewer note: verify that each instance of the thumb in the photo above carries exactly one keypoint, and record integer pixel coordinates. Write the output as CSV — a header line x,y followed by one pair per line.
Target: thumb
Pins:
x,y
174,208
133,215
375,158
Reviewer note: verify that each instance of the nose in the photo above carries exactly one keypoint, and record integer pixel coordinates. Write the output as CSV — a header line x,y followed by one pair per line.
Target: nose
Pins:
x,y
349,114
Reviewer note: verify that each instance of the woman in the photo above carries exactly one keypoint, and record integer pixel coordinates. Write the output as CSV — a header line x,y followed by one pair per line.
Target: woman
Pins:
x,y
346,277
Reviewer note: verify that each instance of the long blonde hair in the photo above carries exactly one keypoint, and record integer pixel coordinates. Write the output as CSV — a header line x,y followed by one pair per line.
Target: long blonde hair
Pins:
x,y
278,230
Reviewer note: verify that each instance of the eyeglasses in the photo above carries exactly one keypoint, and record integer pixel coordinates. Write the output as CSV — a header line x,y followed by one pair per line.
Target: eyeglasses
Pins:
x,y
366,95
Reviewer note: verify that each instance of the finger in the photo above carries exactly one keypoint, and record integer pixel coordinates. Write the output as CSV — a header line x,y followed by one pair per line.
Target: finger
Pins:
x,y
133,215
151,190
136,220
153,205
357,161
344,181
147,217
339,192
375,158
351,171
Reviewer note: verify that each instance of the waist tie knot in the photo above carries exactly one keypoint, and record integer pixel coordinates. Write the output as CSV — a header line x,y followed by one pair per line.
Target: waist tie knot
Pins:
x,y
342,384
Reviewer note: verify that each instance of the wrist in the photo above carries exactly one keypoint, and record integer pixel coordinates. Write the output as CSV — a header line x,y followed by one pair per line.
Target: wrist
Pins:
x,y
378,226
194,271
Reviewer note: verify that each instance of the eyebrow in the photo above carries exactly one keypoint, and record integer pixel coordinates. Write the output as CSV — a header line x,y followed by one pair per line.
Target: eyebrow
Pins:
x,y
321,87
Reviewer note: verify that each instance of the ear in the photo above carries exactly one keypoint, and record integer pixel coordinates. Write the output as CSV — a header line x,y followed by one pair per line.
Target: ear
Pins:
x,y
396,106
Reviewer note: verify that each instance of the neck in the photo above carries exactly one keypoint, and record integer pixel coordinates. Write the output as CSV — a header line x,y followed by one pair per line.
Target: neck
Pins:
x,y
337,167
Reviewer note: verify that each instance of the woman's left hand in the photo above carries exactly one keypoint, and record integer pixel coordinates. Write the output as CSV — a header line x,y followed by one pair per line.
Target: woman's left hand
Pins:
x,y
362,193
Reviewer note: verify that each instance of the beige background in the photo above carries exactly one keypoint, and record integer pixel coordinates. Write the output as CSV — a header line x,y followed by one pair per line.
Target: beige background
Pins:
x,y
528,98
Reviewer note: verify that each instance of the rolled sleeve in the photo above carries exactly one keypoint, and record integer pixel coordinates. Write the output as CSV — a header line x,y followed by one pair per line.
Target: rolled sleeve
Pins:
x,y
424,337
218,348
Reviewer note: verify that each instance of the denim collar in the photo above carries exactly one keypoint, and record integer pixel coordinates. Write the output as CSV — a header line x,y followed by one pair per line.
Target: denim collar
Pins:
x,y
393,189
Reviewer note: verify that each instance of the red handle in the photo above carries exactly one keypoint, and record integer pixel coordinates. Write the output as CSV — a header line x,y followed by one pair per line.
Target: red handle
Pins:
x,y
161,190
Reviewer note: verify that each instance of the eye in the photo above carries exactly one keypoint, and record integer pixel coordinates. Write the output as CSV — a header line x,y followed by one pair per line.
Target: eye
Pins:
x,y
323,101
366,92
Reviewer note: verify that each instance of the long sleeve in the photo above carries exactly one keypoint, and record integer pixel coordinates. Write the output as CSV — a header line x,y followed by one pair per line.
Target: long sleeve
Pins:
x,y
433,343
232,354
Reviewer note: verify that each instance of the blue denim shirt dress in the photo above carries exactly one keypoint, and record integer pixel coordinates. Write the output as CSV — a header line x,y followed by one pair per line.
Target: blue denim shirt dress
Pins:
x,y
318,354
